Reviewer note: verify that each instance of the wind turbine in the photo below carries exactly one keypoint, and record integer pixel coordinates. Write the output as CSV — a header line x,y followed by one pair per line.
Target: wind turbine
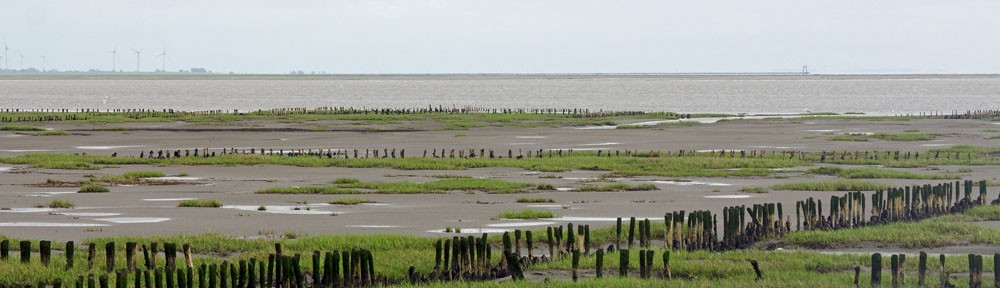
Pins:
x,y
5,58
137,52
163,55
114,58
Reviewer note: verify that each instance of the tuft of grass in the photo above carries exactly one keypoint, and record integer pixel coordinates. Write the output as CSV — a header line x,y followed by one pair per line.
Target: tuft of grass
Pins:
x,y
859,138
93,188
616,187
527,214
61,204
350,201
833,185
904,136
535,200
753,189
200,203
52,133
21,128
877,173
346,181
131,177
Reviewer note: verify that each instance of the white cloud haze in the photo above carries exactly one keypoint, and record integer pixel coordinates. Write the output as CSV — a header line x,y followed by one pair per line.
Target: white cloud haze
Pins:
x,y
509,36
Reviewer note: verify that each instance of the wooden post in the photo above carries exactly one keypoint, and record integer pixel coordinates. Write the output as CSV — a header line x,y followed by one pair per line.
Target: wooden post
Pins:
x,y
70,250
600,263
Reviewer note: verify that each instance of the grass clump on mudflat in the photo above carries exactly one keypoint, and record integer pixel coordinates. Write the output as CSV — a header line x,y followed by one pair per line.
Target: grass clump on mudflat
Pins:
x,y
833,185
754,189
527,214
535,200
876,173
21,128
200,203
61,204
884,136
131,177
52,133
350,201
616,187
93,188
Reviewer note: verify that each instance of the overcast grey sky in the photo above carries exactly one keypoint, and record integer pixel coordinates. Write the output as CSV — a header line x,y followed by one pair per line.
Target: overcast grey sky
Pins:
x,y
509,36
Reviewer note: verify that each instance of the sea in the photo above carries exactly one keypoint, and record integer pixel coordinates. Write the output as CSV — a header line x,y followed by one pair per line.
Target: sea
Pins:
x,y
751,94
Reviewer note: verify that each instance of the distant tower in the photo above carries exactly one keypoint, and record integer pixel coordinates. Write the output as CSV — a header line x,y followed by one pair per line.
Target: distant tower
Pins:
x,y
805,70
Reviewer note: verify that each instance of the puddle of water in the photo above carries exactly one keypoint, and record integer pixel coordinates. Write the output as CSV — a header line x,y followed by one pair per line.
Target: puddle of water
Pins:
x,y
597,128
168,199
520,224
727,196
6,169
374,204
106,147
531,137
691,183
28,210
564,188
472,231
823,130
935,145
374,226
531,173
46,224
283,209
133,220
49,194
525,143
575,149
173,178
83,214
601,144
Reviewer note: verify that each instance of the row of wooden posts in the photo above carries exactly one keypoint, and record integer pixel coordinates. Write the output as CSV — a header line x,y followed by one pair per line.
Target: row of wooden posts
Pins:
x,y
897,271
550,153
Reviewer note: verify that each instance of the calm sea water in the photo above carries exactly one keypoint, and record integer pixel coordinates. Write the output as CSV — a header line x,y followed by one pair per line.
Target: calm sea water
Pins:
x,y
696,94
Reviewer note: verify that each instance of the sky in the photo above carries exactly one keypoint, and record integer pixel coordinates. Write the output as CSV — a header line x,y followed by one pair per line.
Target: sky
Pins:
x,y
506,36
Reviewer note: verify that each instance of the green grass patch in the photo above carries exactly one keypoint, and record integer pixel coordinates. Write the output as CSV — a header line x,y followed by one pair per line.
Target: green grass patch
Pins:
x,y
833,185
21,128
904,137
346,181
616,187
535,200
877,173
200,203
754,189
131,177
859,138
527,214
61,204
94,188
350,201
52,133
353,186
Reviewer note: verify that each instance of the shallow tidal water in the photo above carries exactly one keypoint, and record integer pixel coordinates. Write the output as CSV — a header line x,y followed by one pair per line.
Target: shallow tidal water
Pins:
x,y
689,94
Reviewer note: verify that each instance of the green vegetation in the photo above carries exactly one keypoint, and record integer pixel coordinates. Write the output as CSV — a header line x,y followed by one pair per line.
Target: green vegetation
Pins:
x,y
753,189
93,188
934,232
833,185
659,125
200,203
527,214
61,204
884,136
21,128
849,138
52,133
354,186
616,187
535,200
131,177
877,173
350,201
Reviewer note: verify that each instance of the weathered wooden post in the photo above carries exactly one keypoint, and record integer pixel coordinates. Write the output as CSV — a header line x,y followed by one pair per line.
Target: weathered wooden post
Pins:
x,y
70,250
631,231
45,251
4,249
576,264
623,263
529,241
876,279
756,269
600,263
109,255
25,251
922,269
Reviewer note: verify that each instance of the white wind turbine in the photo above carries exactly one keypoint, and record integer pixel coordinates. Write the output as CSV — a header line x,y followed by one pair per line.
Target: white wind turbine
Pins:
x,y
137,53
163,56
114,58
